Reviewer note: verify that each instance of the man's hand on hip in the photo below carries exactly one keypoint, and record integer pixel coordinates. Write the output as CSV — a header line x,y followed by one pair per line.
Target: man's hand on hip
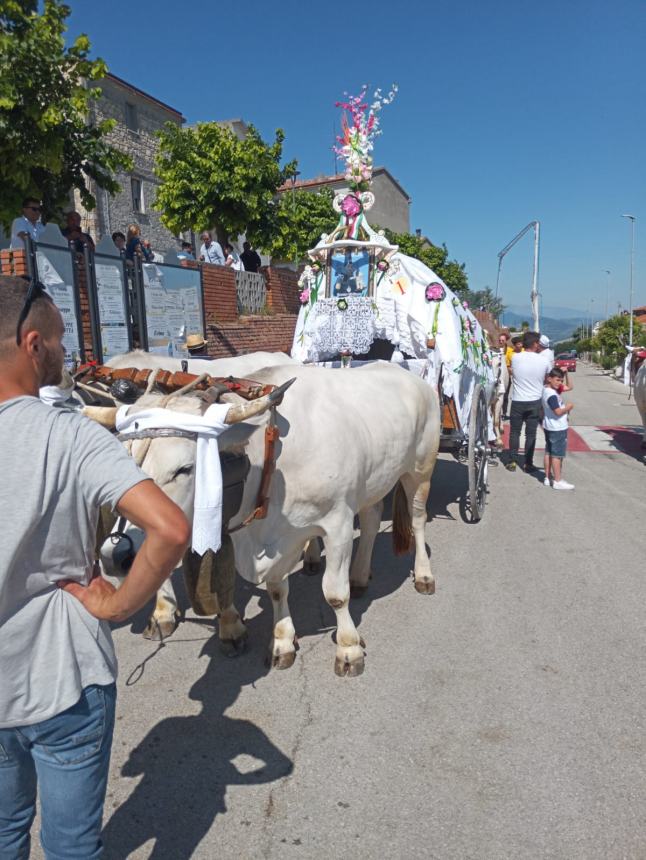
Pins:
x,y
167,535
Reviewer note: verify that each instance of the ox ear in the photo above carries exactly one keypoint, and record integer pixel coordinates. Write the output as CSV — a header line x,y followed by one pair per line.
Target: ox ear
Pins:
x,y
106,416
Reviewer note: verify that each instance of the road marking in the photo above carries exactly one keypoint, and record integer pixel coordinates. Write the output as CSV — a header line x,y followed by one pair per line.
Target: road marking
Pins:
x,y
592,439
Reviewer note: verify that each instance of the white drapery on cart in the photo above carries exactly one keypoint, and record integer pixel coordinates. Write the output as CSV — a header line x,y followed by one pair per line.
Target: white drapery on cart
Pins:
x,y
400,312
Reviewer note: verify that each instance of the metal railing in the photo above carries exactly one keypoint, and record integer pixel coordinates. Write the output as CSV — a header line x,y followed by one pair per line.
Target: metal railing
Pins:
x,y
251,292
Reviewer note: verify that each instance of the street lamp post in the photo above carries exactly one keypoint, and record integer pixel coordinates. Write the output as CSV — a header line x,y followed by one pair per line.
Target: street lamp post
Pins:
x,y
607,271
632,266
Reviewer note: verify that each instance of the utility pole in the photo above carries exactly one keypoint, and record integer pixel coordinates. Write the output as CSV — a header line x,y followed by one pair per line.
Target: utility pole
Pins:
x,y
607,271
632,266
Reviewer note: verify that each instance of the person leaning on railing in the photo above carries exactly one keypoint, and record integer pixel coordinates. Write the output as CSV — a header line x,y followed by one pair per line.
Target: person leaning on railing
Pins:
x,y
27,224
135,245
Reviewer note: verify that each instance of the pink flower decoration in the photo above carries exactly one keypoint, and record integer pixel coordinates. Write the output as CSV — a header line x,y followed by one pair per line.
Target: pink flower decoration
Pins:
x,y
350,206
382,265
434,292
305,296
465,304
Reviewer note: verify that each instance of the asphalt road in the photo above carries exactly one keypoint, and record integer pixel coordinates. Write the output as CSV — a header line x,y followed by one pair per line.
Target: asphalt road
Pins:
x,y
502,717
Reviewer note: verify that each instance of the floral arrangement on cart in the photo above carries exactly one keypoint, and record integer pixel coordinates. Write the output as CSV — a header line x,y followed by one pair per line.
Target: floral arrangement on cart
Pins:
x,y
357,286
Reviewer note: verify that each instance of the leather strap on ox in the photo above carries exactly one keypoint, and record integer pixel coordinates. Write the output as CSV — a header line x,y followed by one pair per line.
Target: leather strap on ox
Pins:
x,y
272,434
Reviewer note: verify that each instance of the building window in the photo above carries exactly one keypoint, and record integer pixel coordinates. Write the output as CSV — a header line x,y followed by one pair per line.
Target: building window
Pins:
x,y
132,121
137,188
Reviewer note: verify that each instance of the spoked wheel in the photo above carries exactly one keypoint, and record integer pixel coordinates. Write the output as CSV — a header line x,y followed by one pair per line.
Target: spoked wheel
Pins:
x,y
477,454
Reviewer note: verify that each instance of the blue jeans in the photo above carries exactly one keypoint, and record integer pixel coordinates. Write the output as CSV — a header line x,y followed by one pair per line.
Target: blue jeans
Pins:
x,y
68,756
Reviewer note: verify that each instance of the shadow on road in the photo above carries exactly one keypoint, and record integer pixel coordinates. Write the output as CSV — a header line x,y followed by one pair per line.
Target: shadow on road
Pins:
x,y
186,764
627,441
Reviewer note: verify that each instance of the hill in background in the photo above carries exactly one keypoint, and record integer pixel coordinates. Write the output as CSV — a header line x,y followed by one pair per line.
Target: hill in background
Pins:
x,y
555,329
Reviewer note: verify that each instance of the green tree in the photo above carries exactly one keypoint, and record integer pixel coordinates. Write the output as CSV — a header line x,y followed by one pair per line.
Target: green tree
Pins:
x,y
47,146
614,334
301,218
452,273
485,300
212,179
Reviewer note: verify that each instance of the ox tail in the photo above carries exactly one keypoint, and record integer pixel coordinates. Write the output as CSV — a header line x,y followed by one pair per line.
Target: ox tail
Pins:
x,y
402,523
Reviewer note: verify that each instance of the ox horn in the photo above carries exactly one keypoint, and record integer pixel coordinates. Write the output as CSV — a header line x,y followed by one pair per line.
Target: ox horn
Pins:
x,y
255,407
106,416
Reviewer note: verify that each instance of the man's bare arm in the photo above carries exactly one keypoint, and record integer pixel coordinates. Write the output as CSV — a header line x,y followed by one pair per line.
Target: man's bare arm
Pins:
x,y
167,535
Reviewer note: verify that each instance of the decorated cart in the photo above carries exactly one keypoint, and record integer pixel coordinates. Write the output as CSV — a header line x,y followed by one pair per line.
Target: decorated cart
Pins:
x,y
363,299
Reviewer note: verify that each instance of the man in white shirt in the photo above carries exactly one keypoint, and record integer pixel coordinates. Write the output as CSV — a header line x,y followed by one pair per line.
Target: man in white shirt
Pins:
x,y
57,661
211,251
528,371
544,349
28,223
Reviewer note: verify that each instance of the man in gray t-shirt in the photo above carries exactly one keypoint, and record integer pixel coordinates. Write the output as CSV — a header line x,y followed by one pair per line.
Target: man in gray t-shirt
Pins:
x,y
57,662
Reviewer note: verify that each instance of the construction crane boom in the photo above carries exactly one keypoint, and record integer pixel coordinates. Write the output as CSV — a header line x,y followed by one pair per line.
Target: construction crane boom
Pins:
x,y
535,225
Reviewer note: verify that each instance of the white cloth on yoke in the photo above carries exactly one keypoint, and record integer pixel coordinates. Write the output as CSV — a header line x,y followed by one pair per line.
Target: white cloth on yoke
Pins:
x,y
207,512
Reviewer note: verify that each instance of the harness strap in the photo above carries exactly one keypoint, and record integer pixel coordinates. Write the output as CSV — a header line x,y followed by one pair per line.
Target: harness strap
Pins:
x,y
272,434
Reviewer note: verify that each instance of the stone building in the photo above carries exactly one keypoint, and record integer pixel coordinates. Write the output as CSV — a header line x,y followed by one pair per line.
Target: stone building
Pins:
x,y
392,203
138,116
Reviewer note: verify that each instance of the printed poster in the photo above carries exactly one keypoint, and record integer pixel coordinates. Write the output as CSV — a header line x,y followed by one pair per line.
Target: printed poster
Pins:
x,y
113,313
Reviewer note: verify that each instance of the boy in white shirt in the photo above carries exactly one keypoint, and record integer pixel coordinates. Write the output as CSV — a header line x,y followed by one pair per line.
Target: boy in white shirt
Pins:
x,y
555,426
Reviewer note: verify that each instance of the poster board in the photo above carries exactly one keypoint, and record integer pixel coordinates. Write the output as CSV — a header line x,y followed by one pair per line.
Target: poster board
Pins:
x,y
173,301
112,306
56,272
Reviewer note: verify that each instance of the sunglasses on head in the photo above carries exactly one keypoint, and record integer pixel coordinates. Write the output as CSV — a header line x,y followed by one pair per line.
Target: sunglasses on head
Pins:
x,y
36,291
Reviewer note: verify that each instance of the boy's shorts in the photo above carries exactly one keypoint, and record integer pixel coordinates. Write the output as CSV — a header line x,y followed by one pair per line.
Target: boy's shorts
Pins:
x,y
556,443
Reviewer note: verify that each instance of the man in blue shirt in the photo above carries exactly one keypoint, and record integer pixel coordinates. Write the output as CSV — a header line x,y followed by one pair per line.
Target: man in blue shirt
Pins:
x,y
211,251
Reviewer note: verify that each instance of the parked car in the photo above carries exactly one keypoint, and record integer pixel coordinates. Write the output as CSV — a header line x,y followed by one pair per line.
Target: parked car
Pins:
x,y
566,362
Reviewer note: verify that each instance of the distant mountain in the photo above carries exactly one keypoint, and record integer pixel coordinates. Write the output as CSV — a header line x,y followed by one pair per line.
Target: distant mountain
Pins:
x,y
552,311
555,329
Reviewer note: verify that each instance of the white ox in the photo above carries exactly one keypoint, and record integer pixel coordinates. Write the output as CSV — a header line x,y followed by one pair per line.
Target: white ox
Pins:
x,y
347,437
163,620
237,365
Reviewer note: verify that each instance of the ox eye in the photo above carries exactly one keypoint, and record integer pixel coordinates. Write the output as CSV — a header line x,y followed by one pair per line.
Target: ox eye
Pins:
x,y
184,470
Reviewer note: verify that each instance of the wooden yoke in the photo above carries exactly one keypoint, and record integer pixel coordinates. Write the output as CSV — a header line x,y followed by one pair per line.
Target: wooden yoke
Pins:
x,y
169,382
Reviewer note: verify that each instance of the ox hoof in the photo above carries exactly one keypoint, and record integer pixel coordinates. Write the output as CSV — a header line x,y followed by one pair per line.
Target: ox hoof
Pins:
x,y
425,585
345,668
157,631
283,661
234,647
357,590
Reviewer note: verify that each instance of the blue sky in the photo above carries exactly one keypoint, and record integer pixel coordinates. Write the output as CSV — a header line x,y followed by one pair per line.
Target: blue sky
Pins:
x,y
507,112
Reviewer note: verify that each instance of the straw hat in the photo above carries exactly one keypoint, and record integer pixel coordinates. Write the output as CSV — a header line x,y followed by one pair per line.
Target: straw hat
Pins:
x,y
195,341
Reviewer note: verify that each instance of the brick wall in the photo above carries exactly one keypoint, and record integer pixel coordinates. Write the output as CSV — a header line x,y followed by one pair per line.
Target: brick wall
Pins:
x,y
251,334
219,291
282,290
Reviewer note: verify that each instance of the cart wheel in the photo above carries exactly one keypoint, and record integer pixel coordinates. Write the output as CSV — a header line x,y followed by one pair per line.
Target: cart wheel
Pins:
x,y
477,454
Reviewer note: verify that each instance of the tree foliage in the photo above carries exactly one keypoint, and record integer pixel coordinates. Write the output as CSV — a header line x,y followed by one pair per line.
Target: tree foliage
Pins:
x,y
212,179
47,146
613,335
301,218
452,273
